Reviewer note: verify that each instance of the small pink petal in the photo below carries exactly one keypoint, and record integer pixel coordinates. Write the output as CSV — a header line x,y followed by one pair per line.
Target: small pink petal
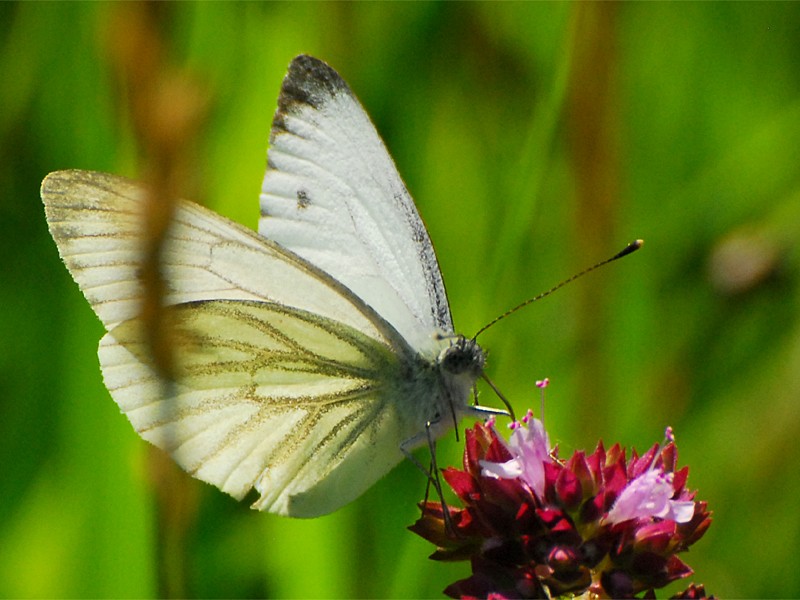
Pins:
x,y
648,496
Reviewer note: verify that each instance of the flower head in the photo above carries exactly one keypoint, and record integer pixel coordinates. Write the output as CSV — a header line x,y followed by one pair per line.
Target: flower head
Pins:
x,y
533,525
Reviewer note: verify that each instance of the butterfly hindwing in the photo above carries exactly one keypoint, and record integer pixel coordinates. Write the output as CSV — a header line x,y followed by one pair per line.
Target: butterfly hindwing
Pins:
x,y
265,397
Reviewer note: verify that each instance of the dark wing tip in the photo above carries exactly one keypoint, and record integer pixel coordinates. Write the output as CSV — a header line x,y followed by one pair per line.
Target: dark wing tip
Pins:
x,y
310,81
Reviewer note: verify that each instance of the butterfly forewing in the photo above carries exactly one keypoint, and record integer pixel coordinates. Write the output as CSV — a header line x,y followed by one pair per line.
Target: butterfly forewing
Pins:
x,y
333,195
96,221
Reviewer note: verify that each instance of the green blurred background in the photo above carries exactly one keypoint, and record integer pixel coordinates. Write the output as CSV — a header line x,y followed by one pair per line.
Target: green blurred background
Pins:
x,y
536,139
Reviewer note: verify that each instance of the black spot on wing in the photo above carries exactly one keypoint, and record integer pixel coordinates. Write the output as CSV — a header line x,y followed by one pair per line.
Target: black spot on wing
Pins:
x,y
303,199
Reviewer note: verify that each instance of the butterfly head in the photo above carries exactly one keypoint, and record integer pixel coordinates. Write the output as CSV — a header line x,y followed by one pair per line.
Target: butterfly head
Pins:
x,y
463,357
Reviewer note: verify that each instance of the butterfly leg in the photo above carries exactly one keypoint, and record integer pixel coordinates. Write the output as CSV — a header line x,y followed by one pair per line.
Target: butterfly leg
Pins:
x,y
431,474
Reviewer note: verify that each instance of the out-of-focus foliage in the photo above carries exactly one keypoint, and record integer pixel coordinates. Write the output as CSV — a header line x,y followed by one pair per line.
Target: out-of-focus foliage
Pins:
x,y
536,139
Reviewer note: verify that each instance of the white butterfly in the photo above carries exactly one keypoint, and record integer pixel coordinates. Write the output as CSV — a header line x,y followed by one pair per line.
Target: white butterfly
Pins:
x,y
309,358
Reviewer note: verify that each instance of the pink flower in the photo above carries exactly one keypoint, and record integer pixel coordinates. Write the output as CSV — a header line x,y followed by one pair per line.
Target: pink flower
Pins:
x,y
535,526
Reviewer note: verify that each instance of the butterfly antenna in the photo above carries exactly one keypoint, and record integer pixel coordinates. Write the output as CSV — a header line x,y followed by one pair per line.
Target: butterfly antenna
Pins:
x,y
629,249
